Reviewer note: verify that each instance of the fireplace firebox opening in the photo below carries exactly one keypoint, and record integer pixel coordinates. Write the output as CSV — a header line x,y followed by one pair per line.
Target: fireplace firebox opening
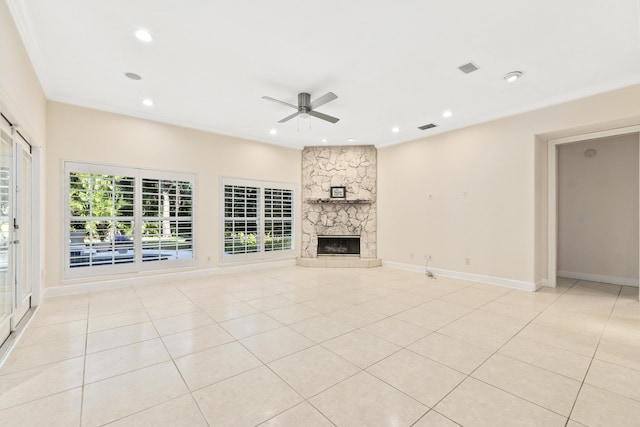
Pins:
x,y
339,245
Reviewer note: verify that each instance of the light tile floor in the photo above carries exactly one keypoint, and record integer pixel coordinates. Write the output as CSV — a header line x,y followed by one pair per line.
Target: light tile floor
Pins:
x,y
320,347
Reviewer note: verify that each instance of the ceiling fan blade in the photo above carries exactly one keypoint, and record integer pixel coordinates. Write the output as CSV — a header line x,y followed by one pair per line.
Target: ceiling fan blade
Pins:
x,y
323,116
268,98
286,119
327,97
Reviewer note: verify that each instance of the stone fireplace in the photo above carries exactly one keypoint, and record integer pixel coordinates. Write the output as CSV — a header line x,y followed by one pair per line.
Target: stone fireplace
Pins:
x,y
348,217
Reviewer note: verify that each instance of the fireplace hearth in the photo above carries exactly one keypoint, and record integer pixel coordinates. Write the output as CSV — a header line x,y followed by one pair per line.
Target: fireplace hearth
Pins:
x,y
338,245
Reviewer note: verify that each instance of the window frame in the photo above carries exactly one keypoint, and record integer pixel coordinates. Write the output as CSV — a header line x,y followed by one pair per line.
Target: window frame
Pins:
x,y
137,266
262,253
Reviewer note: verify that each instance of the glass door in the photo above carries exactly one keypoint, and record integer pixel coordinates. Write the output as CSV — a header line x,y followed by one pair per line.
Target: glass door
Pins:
x,y
15,228
22,229
6,230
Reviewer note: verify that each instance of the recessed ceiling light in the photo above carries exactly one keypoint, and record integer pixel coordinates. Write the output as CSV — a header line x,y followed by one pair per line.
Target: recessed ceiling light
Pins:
x,y
148,102
351,140
133,76
395,129
273,132
512,76
446,114
324,140
144,35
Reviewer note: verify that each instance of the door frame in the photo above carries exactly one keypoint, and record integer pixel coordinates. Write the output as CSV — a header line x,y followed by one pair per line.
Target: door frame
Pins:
x,y
21,147
36,201
552,191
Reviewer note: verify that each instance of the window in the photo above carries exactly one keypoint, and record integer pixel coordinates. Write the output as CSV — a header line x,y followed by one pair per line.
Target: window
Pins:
x,y
278,219
258,219
241,234
126,220
166,218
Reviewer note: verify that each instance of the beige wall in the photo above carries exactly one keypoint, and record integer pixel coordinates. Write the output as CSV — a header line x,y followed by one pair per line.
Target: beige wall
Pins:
x,y
500,227
598,209
84,135
21,96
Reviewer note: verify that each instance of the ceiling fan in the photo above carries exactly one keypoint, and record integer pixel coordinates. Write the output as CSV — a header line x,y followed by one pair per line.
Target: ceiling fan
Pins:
x,y
306,107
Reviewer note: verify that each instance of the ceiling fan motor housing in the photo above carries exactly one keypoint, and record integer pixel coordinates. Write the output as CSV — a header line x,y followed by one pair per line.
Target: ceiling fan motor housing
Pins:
x,y
304,102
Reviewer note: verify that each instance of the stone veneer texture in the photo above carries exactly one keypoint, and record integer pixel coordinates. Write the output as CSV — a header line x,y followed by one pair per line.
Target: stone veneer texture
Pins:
x,y
353,167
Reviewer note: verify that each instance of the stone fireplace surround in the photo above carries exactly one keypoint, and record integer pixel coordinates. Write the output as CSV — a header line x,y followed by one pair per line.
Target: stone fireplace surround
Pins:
x,y
352,167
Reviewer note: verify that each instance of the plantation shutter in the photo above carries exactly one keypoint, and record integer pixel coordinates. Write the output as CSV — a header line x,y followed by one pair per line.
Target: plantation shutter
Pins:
x,y
258,219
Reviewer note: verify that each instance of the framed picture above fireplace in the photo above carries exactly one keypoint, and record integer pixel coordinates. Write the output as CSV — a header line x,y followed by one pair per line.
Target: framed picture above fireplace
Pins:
x,y
338,192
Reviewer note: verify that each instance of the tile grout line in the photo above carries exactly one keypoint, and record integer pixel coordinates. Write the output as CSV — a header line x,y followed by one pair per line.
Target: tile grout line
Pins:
x,y
84,360
173,361
361,370
430,408
595,351
469,375
433,410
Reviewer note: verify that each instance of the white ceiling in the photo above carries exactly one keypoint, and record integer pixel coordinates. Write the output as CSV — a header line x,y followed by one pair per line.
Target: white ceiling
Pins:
x,y
391,63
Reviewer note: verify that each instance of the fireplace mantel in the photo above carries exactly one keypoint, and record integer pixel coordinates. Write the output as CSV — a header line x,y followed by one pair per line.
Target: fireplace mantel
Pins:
x,y
340,201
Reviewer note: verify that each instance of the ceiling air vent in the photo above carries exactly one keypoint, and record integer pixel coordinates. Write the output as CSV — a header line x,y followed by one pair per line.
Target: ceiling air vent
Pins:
x,y
427,126
468,68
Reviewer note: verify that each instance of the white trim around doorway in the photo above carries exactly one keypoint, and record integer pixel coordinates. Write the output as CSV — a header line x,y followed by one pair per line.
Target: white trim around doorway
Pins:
x,y
552,190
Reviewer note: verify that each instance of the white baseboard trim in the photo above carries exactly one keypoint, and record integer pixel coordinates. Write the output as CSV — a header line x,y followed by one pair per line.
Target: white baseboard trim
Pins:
x,y
624,281
405,267
155,278
542,283
490,280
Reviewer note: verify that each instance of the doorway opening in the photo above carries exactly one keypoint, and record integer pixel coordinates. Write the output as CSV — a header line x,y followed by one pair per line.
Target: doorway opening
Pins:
x,y
593,218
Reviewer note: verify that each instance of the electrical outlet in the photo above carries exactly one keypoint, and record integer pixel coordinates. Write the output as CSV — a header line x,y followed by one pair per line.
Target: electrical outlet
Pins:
x,y
208,259
430,196
411,255
467,261
465,194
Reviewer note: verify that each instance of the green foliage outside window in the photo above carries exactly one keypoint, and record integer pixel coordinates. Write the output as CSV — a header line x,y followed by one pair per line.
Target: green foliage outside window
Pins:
x,y
95,201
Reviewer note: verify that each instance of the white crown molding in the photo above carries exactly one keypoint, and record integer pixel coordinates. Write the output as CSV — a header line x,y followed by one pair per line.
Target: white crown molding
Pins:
x,y
526,108
19,13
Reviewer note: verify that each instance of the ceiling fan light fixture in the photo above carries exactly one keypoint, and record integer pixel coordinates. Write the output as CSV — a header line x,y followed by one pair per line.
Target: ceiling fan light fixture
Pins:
x,y
303,116
144,35
512,76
